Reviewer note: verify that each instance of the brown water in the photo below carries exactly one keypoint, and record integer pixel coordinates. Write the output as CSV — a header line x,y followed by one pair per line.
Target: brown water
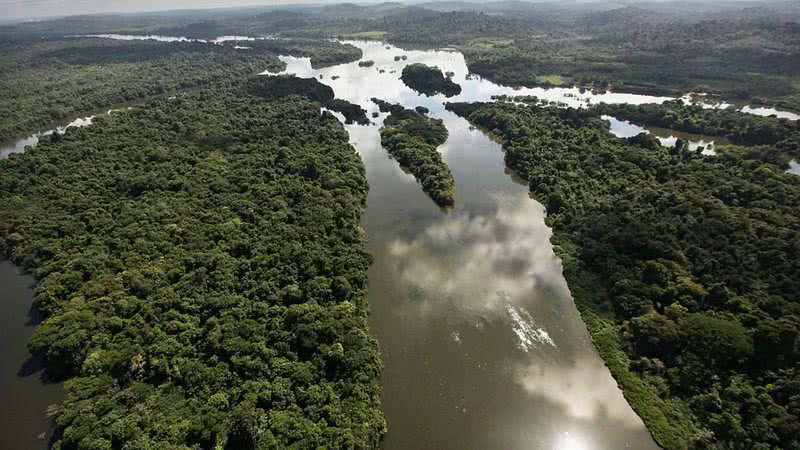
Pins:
x,y
25,392
483,346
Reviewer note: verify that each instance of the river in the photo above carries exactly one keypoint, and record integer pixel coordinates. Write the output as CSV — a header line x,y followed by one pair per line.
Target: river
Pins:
x,y
482,343
26,392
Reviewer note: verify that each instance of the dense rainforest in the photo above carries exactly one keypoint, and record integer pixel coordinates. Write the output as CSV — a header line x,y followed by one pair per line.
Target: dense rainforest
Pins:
x,y
321,53
200,261
754,61
56,79
747,54
745,129
283,85
684,266
429,80
412,139
202,272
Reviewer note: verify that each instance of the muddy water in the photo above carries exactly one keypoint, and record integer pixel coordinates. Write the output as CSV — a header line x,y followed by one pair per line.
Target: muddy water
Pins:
x,y
482,343
26,392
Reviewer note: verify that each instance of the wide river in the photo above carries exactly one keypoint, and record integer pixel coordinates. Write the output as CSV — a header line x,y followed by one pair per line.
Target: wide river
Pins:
x,y
483,346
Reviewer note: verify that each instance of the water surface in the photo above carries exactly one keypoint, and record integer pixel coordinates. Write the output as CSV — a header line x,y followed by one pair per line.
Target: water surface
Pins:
x,y
666,136
26,392
20,145
482,343
794,167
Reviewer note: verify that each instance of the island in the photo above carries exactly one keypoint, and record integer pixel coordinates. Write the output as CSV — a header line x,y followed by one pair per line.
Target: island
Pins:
x,y
429,80
412,139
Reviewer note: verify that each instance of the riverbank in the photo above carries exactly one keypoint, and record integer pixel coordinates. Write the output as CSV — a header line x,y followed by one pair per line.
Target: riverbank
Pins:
x,y
674,321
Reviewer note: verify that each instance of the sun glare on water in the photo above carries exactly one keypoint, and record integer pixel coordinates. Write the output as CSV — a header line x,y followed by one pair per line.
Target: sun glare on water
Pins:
x,y
567,441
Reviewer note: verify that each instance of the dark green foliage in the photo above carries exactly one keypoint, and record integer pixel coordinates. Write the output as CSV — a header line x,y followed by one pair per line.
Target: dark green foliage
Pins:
x,y
429,80
744,129
420,26
203,273
52,81
352,112
700,252
412,139
285,85
274,86
57,80
752,60
385,106
321,52
718,343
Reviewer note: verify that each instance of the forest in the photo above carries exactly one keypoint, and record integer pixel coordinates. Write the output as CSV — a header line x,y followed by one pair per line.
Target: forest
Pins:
x,y
743,129
284,85
199,257
429,80
743,53
413,139
322,53
684,267
203,273
57,79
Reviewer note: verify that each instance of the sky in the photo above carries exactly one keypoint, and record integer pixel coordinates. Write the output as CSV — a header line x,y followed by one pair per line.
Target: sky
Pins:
x,y
48,8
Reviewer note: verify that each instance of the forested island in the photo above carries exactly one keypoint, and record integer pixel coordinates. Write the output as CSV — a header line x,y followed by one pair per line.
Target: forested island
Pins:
x,y
277,86
684,267
412,139
320,52
429,80
203,274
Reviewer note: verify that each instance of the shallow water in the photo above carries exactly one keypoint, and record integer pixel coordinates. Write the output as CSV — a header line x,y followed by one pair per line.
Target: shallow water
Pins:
x,y
765,111
710,101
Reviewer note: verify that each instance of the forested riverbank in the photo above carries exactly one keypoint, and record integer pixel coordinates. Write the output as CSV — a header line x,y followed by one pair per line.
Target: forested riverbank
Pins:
x,y
429,80
684,267
203,271
203,275
43,83
781,136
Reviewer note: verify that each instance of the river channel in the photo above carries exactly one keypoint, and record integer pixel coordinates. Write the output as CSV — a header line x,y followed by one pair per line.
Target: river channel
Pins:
x,y
483,345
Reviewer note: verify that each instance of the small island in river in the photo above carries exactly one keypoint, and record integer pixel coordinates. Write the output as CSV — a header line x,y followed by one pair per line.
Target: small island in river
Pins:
x,y
412,139
429,80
